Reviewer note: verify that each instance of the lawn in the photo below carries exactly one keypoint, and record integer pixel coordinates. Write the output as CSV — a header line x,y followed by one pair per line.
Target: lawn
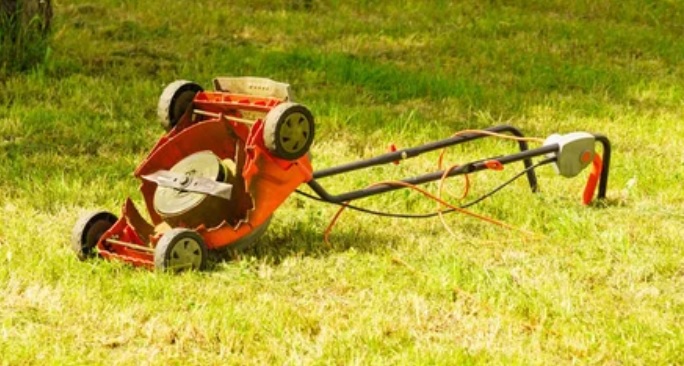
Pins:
x,y
602,284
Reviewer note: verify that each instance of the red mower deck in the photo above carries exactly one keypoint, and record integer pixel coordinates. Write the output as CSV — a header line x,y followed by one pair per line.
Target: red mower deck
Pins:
x,y
230,158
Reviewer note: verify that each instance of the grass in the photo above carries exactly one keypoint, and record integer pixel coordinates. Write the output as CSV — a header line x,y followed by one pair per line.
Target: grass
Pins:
x,y
603,286
24,35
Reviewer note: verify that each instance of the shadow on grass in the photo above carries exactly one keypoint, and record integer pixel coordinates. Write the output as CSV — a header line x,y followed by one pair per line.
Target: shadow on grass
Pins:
x,y
305,240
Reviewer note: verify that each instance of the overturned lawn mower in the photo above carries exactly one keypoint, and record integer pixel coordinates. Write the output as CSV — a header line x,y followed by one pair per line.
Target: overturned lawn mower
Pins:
x,y
231,156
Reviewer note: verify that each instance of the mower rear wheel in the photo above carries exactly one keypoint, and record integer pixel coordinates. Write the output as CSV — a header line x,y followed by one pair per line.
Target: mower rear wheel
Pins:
x,y
175,100
88,230
180,250
289,130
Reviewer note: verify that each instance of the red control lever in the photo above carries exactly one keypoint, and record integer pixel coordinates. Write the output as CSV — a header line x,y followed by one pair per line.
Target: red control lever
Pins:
x,y
590,188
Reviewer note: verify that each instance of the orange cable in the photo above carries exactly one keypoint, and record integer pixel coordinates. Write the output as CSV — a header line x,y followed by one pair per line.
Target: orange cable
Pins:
x,y
489,133
499,135
431,196
438,198
440,160
442,181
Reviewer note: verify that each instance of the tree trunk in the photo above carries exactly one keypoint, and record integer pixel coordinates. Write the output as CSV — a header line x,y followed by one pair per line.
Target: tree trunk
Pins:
x,y
24,30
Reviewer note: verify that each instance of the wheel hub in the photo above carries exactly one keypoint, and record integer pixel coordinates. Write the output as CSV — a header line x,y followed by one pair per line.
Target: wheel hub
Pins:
x,y
186,253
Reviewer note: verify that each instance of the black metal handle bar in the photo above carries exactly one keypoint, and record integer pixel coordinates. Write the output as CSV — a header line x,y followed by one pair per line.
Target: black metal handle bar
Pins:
x,y
525,155
430,177
415,151
603,181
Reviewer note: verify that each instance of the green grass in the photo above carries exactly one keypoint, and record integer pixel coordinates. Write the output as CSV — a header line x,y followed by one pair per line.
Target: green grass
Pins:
x,y
603,285
24,35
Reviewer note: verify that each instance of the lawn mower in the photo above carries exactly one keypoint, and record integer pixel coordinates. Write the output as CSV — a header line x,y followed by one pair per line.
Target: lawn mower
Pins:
x,y
230,157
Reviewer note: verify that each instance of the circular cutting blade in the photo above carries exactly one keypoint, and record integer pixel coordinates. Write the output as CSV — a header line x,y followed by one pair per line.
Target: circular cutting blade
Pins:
x,y
170,202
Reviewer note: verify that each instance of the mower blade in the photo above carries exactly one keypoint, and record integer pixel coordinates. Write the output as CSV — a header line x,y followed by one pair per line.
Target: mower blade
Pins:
x,y
186,183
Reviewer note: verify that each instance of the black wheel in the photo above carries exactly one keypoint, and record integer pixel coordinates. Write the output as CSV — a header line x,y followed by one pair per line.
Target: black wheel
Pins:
x,y
289,130
174,101
88,230
180,250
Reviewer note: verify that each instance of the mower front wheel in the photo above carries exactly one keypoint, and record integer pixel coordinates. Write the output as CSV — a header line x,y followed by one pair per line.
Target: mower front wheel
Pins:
x,y
180,250
289,130
175,100
88,230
